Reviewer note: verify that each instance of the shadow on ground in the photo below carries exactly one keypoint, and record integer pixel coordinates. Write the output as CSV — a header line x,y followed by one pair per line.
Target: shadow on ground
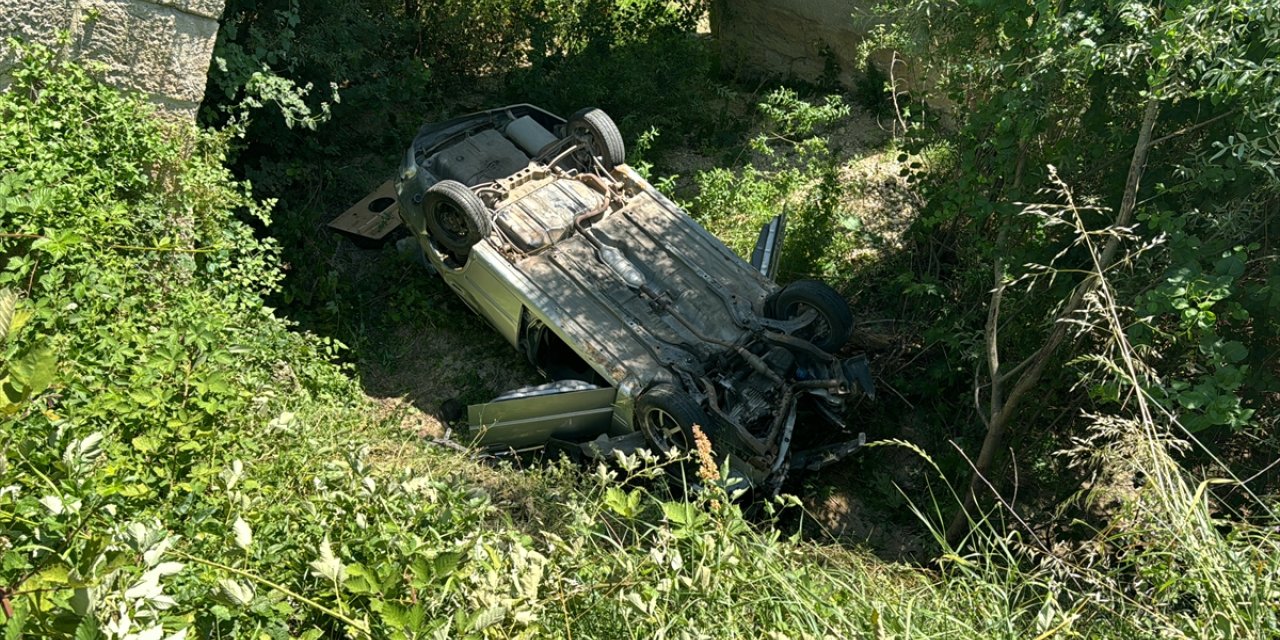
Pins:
x,y
415,345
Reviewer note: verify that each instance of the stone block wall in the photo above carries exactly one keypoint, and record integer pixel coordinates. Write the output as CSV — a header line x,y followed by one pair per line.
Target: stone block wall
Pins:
x,y
160,48
793,39
811,41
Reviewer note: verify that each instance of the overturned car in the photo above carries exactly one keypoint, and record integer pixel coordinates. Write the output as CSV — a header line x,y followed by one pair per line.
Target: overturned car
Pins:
x,y
647,325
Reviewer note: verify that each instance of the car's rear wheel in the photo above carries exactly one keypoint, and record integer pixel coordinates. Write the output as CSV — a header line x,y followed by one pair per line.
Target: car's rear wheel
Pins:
x,y
834,322
667,415
455,216
600,135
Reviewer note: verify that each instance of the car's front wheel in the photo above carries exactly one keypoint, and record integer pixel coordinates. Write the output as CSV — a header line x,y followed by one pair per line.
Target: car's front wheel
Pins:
x,y
666,416
455,216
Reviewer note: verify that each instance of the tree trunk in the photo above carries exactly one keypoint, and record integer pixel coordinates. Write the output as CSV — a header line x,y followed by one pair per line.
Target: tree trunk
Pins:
x,y
1004,409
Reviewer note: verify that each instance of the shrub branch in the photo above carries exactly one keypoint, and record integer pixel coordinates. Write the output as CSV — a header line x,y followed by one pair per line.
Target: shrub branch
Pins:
x,y
1004,409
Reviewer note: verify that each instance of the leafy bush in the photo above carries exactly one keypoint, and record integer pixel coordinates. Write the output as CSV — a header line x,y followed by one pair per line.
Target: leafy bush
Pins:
x,y
639,61
797,173
408,52
125,237
1182,95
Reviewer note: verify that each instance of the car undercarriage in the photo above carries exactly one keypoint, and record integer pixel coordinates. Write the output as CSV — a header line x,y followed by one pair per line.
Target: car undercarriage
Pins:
x,y
645,323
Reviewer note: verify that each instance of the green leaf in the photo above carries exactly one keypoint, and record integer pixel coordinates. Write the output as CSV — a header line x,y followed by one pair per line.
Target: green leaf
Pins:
x,y
8,305
217,383
1233,351
328,565
636,601
234,592
56,575
284,421
394,615
426,572
34,371
145,397
623,503
243,534
1193,399
445,563
88,629
10,397
56,243
361,580
84,450
134,490
145,443
488,618
16,323
91,561
13,627
53,504
82,603
684,514
1231,266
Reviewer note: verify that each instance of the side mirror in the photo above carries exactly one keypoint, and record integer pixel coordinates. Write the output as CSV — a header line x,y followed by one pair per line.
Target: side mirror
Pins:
x,y
769,246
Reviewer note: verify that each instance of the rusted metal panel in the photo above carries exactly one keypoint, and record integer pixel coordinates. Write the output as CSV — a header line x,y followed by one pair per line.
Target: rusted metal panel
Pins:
x,y
610,324
375,216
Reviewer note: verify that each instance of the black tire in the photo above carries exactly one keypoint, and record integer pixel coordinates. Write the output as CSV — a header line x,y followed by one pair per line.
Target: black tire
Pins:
x,y
835,321
455,216
601,134
666,416
452,410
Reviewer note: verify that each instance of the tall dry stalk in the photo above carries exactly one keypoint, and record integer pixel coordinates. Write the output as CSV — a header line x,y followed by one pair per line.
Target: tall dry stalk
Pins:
x,y
1003,407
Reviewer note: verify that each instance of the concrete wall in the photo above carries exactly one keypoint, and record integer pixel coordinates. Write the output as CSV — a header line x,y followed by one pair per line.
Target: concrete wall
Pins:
x,y
161,48
793,39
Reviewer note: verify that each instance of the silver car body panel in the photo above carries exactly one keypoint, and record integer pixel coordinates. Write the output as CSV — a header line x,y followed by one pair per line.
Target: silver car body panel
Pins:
x,y
529,422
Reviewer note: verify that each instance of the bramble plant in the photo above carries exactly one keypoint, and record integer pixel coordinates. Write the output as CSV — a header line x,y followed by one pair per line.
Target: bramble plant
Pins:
x,y
24,375
1183,96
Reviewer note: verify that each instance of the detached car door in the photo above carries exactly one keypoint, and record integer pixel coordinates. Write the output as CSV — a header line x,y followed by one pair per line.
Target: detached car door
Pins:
x,y
529,417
